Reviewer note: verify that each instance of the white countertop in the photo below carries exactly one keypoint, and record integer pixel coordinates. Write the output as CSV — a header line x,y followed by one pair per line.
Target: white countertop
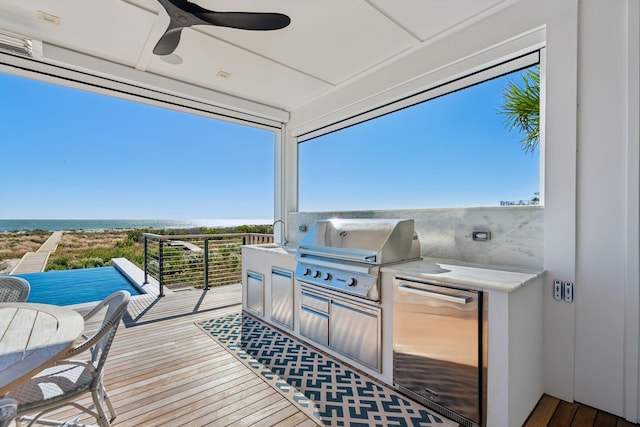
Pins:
x,y
459,273
477,276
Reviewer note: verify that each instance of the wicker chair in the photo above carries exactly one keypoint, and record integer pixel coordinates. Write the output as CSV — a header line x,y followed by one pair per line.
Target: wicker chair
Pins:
x,y
14,289
7,411
70,379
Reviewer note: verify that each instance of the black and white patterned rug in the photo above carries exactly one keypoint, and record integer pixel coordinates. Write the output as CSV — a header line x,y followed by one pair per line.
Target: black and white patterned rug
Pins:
x,y
328,392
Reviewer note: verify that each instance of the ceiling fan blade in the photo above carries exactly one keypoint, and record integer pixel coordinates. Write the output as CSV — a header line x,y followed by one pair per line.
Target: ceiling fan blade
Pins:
x,y
168,42
258,21
183,13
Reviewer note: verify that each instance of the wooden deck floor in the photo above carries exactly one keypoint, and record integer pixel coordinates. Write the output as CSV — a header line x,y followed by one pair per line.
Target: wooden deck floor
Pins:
x,y
557,413
164,371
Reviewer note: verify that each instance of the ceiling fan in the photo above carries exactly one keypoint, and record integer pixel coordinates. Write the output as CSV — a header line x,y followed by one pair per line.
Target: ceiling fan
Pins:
x,y
185,14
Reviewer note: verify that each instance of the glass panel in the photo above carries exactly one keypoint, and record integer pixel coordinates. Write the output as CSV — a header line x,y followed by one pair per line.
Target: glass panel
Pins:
x,y
456,150
77,154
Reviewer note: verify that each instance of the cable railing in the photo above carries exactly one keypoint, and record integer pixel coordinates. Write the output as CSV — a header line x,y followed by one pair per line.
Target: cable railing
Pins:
x,y
205,260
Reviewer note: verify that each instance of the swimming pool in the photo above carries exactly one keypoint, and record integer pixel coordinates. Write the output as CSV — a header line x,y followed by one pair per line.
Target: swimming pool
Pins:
x,y
68,287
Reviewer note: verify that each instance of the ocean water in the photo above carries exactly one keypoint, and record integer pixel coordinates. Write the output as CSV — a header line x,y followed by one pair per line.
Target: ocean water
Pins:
x,y
119,224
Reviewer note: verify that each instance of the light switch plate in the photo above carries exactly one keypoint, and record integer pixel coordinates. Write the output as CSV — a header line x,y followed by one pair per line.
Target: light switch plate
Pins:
x,y
557,290
568,291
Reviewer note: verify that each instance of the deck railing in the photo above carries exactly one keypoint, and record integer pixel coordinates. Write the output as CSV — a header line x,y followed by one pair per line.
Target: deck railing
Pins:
x,y
205,260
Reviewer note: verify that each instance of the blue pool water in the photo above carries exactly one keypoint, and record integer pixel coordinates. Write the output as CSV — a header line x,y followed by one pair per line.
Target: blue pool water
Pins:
x,y
67,287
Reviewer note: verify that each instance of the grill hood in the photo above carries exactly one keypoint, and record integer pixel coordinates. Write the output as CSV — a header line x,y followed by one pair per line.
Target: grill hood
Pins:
x,y
373,241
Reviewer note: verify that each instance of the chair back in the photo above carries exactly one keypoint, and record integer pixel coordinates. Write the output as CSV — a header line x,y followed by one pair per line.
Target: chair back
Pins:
x,y
14,289
99,342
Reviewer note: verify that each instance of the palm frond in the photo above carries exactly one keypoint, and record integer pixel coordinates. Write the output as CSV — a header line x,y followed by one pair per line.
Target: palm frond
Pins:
x,y
522,108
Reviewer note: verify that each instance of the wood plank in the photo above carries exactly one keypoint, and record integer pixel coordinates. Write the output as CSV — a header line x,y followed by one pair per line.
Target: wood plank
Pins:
x,y
604,419
31,262
295,420
563,415
585,416
169,405
51,244
279,418
260,415
307,423
238,410
543,412
163,370
235,400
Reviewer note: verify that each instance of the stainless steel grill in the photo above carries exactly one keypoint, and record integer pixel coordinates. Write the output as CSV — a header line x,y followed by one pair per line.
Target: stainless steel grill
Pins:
x,y
345,255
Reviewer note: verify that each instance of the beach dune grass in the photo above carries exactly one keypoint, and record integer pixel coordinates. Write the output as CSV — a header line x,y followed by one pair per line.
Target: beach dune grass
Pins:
x,y
15,244
87,249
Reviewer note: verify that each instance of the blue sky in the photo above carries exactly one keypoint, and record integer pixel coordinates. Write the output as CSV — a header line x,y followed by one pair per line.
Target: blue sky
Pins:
x,y
73,154
452,151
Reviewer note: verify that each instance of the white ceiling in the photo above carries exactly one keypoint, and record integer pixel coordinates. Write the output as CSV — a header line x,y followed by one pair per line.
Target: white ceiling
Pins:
x,y
329,43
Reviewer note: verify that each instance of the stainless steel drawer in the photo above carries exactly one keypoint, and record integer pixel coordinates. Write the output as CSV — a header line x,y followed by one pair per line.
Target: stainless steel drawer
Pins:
x,y
314,325
315,302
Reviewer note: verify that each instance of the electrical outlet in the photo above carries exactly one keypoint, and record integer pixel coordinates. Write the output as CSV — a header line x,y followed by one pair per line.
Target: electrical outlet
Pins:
x,y
557,290
568,291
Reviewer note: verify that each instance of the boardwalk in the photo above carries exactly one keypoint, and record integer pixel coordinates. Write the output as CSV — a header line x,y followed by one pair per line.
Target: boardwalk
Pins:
x,y
35,262
51,244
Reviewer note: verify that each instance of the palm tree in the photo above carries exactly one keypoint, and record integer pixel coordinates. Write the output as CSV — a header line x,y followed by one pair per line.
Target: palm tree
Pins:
x,y
522,108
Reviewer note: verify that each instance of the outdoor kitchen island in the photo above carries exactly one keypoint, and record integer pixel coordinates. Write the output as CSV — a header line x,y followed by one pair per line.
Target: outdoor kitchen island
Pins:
x,y
512,310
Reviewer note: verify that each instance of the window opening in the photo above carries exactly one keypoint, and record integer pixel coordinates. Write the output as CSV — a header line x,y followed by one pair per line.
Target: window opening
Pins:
x,y
456,149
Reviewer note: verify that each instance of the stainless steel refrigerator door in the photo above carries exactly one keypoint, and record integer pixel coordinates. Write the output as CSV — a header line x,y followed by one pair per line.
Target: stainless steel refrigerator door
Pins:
x,y
437,339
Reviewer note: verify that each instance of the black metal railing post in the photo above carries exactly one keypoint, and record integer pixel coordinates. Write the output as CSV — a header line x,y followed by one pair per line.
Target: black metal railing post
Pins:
x,y
146,263
206,263
160,268
180,262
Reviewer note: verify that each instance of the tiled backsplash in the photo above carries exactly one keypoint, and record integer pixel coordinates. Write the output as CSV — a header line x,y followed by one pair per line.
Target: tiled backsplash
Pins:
x,y
516,232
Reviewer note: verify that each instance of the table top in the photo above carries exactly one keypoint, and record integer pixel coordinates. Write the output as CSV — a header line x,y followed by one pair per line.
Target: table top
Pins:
x,y
32,338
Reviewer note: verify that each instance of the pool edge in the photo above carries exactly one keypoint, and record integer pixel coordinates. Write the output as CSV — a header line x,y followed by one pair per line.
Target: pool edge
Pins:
x,y
135,275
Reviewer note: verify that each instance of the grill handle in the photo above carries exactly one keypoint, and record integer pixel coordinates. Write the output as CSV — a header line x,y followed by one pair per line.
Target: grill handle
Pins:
x,y
368,257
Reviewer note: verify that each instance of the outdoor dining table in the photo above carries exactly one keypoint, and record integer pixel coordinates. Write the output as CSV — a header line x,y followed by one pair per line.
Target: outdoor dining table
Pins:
x,y
32,338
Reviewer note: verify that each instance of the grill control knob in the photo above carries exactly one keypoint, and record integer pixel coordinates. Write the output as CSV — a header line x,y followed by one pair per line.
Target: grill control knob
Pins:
x,y
327,276
351,281
317,274
307,272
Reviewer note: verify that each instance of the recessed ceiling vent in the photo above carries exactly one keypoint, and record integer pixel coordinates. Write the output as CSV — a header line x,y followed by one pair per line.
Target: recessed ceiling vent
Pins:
x,y
13,43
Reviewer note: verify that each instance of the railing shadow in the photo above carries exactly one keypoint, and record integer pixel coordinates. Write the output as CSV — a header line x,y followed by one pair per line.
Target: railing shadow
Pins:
x,y
131,320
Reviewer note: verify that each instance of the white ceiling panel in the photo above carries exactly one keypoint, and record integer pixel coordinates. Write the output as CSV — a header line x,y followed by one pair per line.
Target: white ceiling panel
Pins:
x,y
111,30
204,57
428,18
328,45
332,40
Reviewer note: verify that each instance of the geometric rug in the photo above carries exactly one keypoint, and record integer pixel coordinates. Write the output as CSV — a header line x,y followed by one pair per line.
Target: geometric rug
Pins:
x,y
321,387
